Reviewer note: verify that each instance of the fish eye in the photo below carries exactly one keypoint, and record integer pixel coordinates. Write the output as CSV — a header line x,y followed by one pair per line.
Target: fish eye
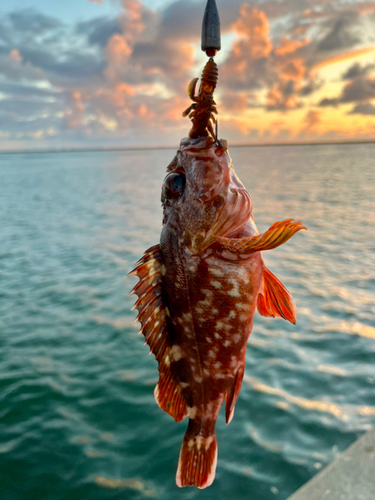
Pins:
x,y
174,186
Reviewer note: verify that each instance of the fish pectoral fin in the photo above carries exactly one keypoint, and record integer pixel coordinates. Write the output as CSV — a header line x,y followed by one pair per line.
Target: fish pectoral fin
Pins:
x,y
232,395
153,316
276,235
274,299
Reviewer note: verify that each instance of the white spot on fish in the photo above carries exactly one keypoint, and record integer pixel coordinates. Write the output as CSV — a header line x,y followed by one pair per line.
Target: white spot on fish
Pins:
x,y
199,440
167,360
176,353
163,270
206,372
205,303
241,307
199,310
237,338
217,272
233,361
209,441
209,340
187,317
227,343
192,412
216,284
198,379
219,325
184,385
217,365
214,311
232,315
211,354
209,293
217,336
235,292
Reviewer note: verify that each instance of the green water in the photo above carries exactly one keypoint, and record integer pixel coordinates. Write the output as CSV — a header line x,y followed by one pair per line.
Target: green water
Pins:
x,y
77,415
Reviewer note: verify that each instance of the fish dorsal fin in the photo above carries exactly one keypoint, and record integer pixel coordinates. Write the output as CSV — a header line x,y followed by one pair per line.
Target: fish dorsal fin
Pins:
x,y
153,316
274,299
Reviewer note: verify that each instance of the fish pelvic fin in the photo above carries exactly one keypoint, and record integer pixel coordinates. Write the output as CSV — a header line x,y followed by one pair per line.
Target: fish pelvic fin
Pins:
x,y
198,460
274,299
154,318
231,396
278,234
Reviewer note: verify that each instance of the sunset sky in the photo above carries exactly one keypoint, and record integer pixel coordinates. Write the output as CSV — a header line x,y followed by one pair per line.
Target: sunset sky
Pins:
x,y
82,73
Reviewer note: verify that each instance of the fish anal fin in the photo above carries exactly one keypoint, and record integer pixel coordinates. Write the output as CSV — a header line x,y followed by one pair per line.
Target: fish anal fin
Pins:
x,y
278,234
154,318
169,397
274,299
232,395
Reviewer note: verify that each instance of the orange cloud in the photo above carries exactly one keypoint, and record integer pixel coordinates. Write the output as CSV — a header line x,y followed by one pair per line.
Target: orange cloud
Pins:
x,y
253,24
342,57
312,118
287,46
73,115
15,56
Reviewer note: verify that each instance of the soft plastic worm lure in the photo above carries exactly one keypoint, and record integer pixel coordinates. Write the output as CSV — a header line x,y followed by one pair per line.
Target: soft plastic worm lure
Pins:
x,y
202,111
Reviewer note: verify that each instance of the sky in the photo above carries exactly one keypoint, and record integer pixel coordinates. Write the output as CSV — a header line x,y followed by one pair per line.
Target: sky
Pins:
x,y
114,73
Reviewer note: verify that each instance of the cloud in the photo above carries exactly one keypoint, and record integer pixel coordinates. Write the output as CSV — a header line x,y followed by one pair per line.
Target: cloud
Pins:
x,y
33,22
99,30
123,79
365,109
340,35
312,118
356,71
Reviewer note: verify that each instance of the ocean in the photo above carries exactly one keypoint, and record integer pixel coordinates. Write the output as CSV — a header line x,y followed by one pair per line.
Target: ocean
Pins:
x,y
78,418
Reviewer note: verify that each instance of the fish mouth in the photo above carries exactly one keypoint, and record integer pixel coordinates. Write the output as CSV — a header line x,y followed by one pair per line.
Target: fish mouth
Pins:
x,y
234,214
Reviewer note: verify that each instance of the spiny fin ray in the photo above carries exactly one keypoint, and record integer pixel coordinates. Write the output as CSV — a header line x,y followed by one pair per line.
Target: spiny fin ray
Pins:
x,y
232,395
152,314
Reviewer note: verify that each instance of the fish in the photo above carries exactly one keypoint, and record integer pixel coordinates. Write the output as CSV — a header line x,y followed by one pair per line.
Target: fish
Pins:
x,y
198,291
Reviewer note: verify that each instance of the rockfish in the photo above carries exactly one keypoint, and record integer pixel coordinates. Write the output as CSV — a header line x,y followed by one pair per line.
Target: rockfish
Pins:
x,y
198,292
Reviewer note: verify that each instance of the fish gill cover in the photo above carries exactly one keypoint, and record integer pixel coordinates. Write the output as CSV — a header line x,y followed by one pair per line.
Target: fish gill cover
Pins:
x,y
199,288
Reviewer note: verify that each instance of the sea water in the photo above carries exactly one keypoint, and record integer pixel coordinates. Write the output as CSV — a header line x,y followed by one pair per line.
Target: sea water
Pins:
x,y
78,419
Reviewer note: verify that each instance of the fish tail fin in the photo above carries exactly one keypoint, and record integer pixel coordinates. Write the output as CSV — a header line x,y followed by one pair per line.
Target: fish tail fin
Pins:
x,y
198,460
274,299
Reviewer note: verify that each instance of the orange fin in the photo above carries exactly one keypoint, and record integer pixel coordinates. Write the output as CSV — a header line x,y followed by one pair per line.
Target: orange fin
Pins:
x,y
274,299
198,460
276,235
153,316
232,395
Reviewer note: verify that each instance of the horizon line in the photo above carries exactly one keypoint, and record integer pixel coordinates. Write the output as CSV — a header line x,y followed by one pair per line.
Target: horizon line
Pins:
x,y
149,148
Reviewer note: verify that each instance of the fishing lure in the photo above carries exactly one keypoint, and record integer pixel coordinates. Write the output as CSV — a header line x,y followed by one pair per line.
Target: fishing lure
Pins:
x,y
204,107
199,288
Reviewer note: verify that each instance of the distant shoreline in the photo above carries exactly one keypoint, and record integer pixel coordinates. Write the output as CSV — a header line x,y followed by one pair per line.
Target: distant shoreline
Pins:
x,y
150,148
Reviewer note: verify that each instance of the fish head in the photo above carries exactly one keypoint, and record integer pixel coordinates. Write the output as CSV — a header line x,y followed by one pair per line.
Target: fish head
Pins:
x,y
202,196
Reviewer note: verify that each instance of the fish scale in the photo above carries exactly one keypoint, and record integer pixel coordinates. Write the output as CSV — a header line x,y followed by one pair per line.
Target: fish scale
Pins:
x,y
198,293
